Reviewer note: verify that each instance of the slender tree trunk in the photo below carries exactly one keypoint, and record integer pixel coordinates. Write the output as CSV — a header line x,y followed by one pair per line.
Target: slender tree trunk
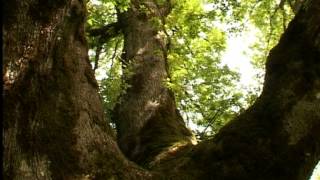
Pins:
x,y
146,117
54,127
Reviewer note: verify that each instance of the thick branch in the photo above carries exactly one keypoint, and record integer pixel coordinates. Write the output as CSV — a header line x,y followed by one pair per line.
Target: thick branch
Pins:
x,y
146,117
278,137
106,32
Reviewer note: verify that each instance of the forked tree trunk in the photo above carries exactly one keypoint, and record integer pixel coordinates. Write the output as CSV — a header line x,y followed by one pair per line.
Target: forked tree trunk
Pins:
x,y
147,119
54,126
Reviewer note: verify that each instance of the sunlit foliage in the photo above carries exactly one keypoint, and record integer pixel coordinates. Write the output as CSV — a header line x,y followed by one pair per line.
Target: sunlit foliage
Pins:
x,y
206,91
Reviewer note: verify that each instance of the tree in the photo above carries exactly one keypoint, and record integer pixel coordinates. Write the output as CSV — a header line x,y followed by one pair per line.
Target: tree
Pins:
x,y
54,124
193,59
146,117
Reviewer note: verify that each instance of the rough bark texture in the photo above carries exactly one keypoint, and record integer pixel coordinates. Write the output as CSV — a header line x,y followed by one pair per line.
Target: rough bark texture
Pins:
x,y
279,136
146,117
54,127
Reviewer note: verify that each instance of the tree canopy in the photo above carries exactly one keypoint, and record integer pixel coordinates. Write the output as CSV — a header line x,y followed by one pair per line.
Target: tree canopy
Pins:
x,y
207,91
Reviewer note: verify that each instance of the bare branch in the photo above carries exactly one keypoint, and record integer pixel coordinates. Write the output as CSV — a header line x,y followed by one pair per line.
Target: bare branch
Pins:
x,y
212,120
97,55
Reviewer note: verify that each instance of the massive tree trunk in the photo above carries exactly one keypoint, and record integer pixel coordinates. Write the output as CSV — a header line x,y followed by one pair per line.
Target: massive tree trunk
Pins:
x,y
54,127
279,136
146,117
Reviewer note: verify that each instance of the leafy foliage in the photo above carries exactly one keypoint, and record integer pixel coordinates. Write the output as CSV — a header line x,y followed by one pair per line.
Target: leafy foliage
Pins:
x,y
273,19
108,72
206,91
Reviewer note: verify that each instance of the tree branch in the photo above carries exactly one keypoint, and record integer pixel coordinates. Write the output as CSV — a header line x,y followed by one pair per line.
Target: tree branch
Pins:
x,y
211,121
96,57
114,55
106,32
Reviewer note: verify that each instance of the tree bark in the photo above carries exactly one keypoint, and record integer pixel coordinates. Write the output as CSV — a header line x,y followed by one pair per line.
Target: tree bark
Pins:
x,y
279,136
146,117
54,126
